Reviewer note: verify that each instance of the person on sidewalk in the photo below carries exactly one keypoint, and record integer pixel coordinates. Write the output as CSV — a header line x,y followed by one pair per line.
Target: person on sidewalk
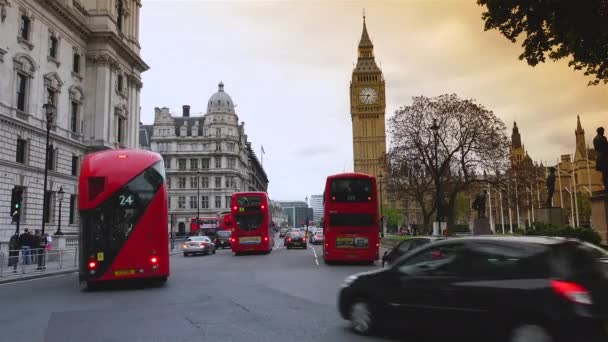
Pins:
x,y
25,241
40,243
13,252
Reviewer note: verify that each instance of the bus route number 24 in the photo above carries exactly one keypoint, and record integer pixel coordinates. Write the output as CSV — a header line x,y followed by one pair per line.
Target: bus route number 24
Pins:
x,y
125,200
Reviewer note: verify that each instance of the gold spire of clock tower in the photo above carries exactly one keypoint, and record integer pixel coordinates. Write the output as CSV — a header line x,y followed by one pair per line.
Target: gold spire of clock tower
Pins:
x,y
368,106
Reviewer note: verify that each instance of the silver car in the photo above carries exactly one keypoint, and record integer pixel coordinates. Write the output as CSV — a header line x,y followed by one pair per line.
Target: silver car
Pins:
x,y
198,245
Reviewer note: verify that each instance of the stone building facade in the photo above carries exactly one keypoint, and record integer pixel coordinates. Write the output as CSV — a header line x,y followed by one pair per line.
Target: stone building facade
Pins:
x,y
83,55
207,158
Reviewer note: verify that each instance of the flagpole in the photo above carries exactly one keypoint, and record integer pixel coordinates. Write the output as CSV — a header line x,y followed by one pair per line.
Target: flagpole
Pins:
x,y
588,172
517,204
502,216
575,192
559,176
509,205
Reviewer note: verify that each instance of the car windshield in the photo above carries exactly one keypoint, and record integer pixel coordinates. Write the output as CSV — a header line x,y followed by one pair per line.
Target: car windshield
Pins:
x,y
223,234
295,234
199,238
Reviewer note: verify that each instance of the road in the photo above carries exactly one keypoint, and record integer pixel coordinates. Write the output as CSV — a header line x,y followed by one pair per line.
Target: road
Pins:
x,y
288,295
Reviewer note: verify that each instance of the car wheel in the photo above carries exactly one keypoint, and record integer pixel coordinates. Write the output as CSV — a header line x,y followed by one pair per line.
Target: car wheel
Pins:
x,y
305,246
214,251
185,254
288,247
361,317
530,333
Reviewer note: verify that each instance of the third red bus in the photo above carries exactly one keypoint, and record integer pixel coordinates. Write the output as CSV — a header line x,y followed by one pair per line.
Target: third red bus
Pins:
x,y
351,220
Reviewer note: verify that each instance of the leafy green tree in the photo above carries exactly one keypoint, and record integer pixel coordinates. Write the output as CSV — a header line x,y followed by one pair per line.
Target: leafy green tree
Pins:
x,y
556,29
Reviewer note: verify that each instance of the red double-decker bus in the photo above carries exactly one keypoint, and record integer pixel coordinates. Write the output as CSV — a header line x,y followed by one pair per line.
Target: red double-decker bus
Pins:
x,y
123,209
251,220
351,220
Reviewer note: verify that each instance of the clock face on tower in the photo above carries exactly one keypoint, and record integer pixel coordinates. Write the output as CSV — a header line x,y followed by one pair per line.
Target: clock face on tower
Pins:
x,y
368,95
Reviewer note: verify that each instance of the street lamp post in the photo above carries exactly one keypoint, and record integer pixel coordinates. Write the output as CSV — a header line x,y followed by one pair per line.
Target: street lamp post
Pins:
x,y
435,129
198,196
60,194
49,109
380,176
306,200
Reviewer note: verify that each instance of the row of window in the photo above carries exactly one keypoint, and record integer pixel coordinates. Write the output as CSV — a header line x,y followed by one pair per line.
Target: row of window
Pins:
x,y
230,182
22,156
205,202
204,163
217,146
167,131
51,202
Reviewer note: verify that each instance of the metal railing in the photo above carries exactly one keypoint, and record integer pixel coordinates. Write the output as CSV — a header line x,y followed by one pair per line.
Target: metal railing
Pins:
x,y
31,261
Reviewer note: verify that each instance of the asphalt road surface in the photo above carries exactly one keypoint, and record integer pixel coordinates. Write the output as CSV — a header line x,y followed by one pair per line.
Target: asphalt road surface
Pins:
x,y
288,295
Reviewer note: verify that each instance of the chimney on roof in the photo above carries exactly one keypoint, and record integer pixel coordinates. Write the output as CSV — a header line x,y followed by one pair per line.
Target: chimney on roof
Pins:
x,y
186,111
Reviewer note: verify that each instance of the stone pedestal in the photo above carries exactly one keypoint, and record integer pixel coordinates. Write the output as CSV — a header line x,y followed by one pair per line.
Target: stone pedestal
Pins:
x,y
599,214
552,216
481,226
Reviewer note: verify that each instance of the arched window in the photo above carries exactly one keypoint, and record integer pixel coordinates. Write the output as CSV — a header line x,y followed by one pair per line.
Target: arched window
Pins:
x,y
76,105
24,69
120,14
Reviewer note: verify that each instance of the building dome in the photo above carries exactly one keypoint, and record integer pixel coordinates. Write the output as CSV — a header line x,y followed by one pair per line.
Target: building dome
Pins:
x,y
220,102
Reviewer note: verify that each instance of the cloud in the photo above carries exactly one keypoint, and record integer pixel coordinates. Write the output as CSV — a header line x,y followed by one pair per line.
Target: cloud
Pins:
x,y
288,64
315,150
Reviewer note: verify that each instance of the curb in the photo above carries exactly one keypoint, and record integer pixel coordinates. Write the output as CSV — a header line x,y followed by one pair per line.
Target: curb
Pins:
x,y
36,276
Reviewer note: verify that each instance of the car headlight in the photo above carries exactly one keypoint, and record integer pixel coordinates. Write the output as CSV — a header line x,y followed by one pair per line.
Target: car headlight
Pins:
x,y
349,280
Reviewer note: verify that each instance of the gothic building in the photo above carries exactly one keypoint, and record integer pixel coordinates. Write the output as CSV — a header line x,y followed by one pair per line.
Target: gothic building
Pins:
x,y
207,158
83,56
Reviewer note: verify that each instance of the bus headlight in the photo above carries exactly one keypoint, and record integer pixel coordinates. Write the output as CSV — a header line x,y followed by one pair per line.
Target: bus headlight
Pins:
x,y
349,280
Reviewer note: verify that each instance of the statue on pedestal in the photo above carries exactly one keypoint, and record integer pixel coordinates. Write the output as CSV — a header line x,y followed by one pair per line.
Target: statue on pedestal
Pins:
x,y
600,144
479,204
550,187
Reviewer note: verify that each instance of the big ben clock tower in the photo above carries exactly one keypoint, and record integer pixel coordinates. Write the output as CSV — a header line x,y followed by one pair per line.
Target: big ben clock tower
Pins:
x,y
367,107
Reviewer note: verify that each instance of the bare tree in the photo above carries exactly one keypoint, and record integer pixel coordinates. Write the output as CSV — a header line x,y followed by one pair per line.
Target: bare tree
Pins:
x,y
471,139
408,178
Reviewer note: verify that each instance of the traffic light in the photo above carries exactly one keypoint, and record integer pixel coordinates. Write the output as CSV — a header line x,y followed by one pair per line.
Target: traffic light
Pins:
x,y
16,202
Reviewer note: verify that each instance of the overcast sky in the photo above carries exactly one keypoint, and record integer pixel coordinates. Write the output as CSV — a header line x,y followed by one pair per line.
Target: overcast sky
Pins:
x,y
287,65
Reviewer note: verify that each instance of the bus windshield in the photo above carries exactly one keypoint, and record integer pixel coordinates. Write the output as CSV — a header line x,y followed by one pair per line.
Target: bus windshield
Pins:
x,y
351,190
108,226
249,222
246,201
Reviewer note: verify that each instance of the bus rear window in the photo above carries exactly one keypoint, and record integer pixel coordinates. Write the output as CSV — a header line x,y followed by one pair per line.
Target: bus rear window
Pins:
x,y
352,220
249,222
246,201
351,190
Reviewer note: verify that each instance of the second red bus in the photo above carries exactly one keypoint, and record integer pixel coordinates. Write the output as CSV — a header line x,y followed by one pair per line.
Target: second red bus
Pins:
x,y
351,220
251,223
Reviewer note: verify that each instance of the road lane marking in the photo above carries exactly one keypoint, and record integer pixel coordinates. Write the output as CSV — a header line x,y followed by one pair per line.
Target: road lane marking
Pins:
x,y
314,251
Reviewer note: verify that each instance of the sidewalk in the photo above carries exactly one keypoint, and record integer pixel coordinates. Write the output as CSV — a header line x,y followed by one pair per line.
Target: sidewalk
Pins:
x,y
58,262
62,261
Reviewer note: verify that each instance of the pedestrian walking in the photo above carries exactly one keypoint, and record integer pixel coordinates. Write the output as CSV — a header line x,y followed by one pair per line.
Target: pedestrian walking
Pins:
x,y
13,252
40,243
25,241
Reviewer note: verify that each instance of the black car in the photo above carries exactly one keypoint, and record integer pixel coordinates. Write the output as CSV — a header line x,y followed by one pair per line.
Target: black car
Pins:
x,y
295,239
222,239
491,288
405,246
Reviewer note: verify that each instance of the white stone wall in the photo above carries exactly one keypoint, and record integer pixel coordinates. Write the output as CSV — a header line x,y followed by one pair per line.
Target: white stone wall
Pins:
x,y
90,32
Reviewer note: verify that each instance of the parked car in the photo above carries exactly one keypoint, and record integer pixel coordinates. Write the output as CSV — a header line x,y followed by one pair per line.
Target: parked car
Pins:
x,y
406,246
198,245
295,239
490,288
222,239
